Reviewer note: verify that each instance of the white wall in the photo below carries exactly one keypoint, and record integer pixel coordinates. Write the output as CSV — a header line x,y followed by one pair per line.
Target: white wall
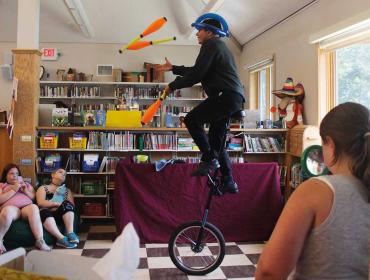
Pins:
x,y
5,85
295,57
85,57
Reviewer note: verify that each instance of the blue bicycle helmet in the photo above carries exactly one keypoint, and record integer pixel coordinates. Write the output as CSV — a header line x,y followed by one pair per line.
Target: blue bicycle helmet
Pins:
x,y
212,22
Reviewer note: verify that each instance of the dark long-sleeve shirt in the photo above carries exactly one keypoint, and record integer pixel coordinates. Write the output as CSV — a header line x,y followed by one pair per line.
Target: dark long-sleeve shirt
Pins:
x,y
214,68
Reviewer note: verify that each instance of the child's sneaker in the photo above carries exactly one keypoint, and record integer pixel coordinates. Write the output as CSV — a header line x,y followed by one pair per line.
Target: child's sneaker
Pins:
x,y
41,245
65,243
73,238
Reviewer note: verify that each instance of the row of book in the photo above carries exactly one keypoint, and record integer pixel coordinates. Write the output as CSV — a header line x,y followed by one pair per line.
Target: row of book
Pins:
x,y
77,162
69,91
125,140
97,117
132,92
186,144
263,144
149,92
130,141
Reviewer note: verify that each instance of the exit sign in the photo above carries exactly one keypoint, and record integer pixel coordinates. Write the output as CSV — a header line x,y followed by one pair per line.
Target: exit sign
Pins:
x,y
49,54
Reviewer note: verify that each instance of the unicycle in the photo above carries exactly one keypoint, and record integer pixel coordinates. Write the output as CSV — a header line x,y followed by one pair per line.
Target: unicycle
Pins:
x,y
198,247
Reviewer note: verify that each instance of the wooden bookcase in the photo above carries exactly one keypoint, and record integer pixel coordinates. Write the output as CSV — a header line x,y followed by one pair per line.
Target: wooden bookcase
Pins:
x,y
109,94
298,139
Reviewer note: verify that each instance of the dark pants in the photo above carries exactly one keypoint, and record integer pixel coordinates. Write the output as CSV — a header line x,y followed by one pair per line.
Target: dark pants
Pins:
x,y
65,207
216,111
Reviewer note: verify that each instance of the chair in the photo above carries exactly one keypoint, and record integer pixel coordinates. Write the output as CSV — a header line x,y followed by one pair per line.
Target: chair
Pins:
x,y
119,263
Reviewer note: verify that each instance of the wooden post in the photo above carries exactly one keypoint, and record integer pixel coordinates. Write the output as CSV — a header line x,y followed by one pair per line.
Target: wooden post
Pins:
x,y
26,70
6,148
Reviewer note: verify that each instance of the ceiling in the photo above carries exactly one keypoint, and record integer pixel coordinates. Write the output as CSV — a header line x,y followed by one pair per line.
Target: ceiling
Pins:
x,y
118,21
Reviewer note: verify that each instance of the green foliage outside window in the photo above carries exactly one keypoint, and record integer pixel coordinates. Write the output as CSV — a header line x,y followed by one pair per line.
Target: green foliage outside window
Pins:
x,y
353,74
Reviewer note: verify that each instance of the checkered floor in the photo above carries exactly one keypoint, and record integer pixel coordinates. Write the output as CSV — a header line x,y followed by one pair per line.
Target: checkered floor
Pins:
x,y
239,262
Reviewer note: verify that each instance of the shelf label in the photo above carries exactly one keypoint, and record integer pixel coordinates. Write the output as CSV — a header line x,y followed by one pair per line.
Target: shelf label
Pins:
x,y
26,161
26,138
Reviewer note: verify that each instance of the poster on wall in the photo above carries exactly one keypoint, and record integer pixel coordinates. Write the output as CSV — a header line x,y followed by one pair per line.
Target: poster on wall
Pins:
x,y
10,124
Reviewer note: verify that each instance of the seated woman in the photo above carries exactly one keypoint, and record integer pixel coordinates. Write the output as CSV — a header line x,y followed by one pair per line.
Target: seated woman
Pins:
x,y
56,203
16,202
323,231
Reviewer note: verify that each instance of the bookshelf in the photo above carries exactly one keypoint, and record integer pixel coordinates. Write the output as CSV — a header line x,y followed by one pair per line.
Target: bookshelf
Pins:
x,y
89,97
298,139
113,143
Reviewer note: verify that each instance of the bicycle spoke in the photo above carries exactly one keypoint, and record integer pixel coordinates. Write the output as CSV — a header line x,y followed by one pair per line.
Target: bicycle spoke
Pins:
x,y
188,238
194,258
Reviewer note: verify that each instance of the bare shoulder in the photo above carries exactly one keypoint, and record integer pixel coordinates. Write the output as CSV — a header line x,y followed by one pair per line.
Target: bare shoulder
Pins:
x,y
313,188
316,195
41,189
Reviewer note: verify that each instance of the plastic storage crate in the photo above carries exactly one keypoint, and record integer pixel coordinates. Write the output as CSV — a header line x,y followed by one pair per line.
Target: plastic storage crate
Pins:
x,y
93,209
49,142
90,168
77,143
93,188
51,162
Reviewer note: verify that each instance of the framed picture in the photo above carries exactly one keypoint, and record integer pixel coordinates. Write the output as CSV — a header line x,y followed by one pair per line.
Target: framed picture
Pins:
x,y
104,70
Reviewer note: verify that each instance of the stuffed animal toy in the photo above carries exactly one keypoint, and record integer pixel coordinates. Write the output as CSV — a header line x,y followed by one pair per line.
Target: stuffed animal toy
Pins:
x,y
60,194
290,106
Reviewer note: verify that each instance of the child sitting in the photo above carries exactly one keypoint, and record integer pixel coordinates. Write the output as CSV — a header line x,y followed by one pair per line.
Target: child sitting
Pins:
x,y
56,203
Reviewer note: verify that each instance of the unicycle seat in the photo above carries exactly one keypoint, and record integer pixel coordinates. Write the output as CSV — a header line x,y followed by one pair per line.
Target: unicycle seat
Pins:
x,y
238,115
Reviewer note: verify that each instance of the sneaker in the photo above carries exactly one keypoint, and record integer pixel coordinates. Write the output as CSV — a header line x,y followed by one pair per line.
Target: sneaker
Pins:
x,y
228,185
41,245
205,167
73,238
65,243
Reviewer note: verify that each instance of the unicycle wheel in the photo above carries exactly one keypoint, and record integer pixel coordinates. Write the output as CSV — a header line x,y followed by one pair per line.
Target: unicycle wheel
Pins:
x,y
193,259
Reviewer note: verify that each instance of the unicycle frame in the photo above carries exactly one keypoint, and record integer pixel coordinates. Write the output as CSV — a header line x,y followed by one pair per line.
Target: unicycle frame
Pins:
x,y
199,240
214,189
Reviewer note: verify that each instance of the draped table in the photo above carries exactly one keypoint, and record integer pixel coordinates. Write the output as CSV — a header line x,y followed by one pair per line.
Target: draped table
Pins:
x,y
157,202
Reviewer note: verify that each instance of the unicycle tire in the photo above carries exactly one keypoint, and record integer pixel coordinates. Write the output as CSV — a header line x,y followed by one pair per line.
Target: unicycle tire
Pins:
x,y
192,260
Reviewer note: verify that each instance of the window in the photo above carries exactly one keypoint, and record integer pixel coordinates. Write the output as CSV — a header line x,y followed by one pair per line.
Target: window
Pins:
x,y
344,63
352,74
260,86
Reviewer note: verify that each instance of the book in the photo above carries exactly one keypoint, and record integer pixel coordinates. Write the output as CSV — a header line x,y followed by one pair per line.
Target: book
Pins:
x,y
74,161
89,118
59,117
235,144
100,118
103,163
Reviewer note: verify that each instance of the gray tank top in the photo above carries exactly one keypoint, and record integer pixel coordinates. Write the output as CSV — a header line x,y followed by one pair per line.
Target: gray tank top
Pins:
x,y
339,247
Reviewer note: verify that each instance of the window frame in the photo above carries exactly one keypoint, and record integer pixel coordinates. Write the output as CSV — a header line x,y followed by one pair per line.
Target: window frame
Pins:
x,y
343,34
254,87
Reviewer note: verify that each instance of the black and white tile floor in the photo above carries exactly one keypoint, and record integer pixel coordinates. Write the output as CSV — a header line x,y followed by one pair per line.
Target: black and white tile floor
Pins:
x,y
239,262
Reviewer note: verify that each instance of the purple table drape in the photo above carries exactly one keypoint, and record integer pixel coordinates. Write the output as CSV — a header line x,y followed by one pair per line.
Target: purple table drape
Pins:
x,y
158,202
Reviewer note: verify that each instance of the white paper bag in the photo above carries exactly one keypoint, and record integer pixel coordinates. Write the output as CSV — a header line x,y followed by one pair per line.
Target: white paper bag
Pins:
x,y
123,258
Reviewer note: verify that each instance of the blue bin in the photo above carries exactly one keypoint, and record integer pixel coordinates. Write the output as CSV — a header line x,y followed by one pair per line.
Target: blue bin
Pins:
x,y
90,167
51,168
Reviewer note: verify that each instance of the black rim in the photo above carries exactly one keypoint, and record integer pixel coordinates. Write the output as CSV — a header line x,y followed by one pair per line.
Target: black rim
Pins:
x,y
192,259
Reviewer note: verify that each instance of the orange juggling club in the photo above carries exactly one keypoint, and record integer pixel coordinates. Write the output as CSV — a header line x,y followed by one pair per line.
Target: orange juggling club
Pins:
x,y
152,110
142,44
139,45
154,26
